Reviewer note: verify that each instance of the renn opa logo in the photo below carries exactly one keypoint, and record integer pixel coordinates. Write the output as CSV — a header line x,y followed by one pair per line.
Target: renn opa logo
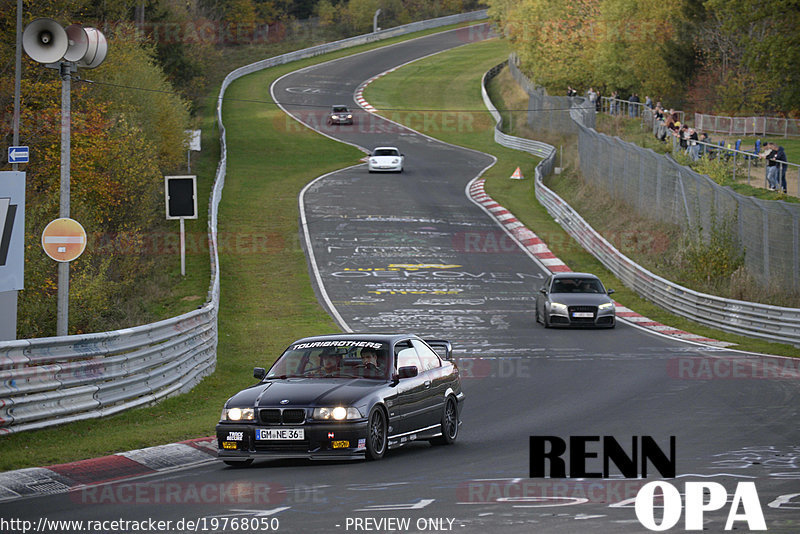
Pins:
x,y
699,497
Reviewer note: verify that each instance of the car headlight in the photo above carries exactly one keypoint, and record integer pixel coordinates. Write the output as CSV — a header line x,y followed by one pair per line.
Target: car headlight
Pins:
x,y
349,116
335,117
605,306
238,414
372,160
557,307
395,161
337,413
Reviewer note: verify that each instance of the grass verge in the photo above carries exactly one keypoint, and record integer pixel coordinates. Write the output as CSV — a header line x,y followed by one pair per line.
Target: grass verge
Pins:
x,y
451,82
267,299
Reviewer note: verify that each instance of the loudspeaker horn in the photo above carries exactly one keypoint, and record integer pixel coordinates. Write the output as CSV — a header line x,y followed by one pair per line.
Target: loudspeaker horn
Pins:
x,y
78,43
45,41
98,47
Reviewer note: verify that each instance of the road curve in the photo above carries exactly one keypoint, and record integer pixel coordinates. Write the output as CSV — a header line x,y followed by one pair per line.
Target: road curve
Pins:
x,y
412,252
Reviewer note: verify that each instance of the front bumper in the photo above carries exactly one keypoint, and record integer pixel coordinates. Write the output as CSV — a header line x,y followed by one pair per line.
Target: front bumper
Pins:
x,y
385,168
340,120
601,318
322,441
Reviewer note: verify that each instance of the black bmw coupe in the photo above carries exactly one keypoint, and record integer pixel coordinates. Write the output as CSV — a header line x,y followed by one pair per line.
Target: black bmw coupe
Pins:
x,y
344,396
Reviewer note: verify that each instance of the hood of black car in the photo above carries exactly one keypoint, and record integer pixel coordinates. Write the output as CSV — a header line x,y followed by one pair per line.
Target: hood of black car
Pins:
x,y
302,392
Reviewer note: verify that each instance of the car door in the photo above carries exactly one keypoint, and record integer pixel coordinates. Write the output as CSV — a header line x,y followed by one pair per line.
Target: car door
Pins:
x,y
411,392
434,381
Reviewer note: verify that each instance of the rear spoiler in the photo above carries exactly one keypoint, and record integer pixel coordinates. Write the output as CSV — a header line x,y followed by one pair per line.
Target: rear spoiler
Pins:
x,y
442,347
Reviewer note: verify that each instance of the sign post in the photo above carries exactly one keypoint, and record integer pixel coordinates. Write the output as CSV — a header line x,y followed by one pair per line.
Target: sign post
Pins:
x,y
12,249
181,200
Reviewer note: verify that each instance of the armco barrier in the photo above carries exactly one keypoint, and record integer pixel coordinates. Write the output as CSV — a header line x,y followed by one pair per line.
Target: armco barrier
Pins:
x,y
49,381
739,317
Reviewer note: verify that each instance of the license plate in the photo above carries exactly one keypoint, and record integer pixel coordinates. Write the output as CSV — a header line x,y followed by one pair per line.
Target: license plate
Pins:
x,y
583,315
228,444
341,444
280,434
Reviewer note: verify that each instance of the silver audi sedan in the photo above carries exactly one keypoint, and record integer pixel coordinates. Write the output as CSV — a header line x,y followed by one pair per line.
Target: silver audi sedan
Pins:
x,y
575,299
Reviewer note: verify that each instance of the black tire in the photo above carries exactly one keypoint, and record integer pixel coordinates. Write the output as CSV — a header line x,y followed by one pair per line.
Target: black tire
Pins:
x,y
545,320
377,437
239,463
449,423
536,314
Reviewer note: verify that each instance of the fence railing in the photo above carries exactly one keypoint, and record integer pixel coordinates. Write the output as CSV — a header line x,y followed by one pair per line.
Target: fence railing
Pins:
x,y
740,160
739,317
747,126
55,380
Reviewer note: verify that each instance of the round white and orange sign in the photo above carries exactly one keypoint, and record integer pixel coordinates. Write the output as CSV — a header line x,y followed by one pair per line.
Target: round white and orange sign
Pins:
x,y
64,239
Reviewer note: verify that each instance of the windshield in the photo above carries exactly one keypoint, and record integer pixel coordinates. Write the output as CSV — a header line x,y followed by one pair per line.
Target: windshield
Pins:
x,y
386,152
577,285
334,358
339,109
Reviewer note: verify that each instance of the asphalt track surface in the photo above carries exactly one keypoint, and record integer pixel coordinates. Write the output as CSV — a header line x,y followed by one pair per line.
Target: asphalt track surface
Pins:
x,y
411,252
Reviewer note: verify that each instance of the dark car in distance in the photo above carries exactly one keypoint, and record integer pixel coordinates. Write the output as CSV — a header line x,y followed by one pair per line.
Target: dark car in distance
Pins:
x,y
344,396
575,299
340,115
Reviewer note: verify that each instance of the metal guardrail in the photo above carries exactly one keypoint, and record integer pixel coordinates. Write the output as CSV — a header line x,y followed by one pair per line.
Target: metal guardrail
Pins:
x,y
55,380
739,317
747,126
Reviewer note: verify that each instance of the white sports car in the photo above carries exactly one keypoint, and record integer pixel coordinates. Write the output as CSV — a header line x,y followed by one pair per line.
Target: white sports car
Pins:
x,y
386,159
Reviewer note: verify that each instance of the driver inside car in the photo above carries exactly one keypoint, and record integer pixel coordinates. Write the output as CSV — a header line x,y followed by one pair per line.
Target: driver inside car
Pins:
x,y
369,362
330,363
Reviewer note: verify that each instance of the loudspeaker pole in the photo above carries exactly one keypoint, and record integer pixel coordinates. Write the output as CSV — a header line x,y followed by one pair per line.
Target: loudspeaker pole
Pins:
x,y
66,69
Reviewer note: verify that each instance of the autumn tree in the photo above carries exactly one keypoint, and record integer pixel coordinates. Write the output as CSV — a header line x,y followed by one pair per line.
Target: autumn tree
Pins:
x,y
751,56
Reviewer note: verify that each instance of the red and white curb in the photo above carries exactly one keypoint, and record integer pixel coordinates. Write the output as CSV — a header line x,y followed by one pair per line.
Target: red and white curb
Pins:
x,y
63,478
539,249
359,94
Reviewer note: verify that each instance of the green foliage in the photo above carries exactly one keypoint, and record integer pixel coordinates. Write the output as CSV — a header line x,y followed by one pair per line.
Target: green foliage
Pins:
x,y
160,113
751,52
717,169
608,44
727,56
714,258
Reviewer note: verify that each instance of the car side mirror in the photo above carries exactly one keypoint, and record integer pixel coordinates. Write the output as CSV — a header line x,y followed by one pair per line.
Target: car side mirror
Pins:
x,y
259,372
407,372
610,291
543,291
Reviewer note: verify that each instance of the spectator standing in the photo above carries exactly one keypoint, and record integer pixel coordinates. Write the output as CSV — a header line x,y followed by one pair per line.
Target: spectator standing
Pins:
x,y
770,154
592,96
780,159
612,106
683,138
648,102
633,105
694,148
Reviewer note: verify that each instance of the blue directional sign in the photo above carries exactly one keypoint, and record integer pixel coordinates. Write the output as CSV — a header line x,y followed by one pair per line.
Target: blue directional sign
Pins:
x,y
18,154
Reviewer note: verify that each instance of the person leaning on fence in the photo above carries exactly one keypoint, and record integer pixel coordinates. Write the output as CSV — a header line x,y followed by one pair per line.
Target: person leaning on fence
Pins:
x,y
701,147
694,148
770,154
612,104
592,96
683,138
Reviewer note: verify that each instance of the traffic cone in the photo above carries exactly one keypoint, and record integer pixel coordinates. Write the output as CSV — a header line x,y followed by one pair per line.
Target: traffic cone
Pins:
x,y
517,175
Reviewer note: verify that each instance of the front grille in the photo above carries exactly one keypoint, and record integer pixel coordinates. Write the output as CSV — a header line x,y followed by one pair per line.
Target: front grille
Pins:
x,y
274,416
582,309
293,417
270,417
